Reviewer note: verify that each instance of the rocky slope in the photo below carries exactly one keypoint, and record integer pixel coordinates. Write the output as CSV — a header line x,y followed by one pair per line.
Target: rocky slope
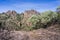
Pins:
x,y
40,34
10,22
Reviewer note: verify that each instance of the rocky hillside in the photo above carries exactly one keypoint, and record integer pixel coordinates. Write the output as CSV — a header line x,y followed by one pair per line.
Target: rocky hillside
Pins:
x,y
30,25
16,21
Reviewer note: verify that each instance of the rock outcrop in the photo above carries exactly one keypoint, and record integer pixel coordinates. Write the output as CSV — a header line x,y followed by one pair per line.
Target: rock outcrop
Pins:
x,y
12,14
27,15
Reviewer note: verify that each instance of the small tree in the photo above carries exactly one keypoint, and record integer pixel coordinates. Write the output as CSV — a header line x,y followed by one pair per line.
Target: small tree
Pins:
x,y
58,9
58,12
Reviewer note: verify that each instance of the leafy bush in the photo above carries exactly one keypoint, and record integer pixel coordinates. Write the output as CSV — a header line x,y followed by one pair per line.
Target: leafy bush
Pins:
x,y
41,21
19,17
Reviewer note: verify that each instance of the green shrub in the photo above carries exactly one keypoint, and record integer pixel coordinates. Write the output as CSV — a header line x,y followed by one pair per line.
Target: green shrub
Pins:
x,y
41,21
